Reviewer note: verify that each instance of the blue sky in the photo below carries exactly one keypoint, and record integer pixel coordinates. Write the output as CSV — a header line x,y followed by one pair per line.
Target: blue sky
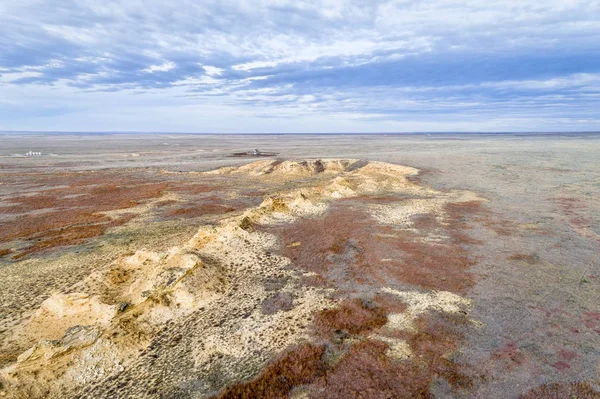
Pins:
x,y
300,66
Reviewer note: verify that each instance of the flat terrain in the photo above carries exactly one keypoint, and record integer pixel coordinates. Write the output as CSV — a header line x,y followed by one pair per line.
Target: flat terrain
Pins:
x,y
346,266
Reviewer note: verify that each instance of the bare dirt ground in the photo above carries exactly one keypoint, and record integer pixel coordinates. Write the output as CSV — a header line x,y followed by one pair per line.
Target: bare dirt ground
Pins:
x,y
349,266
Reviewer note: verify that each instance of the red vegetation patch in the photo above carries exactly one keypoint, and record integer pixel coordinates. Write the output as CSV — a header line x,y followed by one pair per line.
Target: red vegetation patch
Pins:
x,y
459,216
390,303
298,366
576,210
347,249
364,370
71,235
579,390
592,321
569,204
347,246
436,267
511,355
560,365
68,209
71,215
424,222
352,316
36,226
367,371
100,198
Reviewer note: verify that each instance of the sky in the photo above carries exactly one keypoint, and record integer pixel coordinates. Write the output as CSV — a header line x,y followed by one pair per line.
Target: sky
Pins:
x,y
300,66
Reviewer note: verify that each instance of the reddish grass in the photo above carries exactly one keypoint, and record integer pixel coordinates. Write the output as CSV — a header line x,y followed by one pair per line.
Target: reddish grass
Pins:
x,y
348,236
352,316
70,235
367,371
573,208
424,222
208,205
389,303
297,366
66,209
4,252
72,214
71,209
592,321
511,356
364,370
579,390
101,198
34,225
567,355
346,249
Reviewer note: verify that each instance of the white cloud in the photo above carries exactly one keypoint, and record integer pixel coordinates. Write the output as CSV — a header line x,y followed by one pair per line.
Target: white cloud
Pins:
x,y
12,76
212,70
167,66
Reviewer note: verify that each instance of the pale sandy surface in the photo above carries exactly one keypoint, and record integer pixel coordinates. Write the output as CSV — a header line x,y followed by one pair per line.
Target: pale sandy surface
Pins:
x,y
537,267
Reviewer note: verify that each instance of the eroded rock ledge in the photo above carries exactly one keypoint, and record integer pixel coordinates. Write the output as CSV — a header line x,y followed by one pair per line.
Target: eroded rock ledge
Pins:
x,y
349,264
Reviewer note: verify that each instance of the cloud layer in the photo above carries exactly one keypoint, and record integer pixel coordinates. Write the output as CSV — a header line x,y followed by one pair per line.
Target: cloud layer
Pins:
x,y
313,66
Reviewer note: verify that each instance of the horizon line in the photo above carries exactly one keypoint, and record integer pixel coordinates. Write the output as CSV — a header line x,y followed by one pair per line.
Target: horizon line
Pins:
x,y
293,133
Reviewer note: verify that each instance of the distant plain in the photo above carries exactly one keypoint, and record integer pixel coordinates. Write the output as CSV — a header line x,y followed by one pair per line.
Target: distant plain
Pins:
x,y
530,266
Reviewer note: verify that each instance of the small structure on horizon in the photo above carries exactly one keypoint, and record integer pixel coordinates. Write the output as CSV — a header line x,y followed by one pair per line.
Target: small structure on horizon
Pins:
x,y
33,154
255,153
